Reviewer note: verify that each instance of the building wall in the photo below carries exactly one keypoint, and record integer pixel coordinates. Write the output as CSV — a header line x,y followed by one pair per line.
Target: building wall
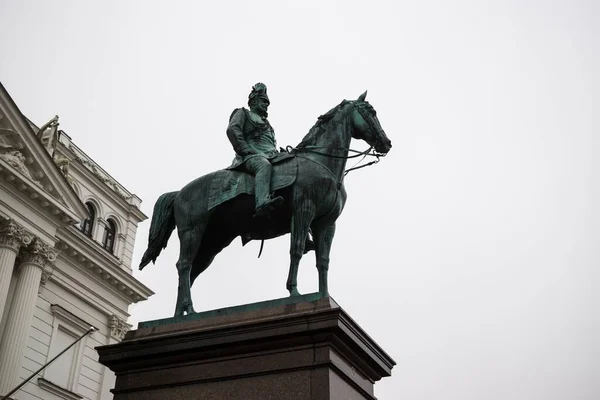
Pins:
x,y
82,284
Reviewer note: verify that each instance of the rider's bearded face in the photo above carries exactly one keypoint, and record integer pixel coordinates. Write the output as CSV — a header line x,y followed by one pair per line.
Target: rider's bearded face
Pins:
x,y
260,106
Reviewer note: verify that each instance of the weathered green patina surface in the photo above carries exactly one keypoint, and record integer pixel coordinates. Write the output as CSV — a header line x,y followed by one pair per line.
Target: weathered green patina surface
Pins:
x,y
313,202
253,140
229,183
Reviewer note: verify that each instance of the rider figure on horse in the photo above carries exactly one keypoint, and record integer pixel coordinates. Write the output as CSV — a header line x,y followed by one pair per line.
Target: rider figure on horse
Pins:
x,y
253,140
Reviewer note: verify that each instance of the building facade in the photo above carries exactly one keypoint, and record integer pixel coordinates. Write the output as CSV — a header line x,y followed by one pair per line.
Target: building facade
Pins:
x,y
67,231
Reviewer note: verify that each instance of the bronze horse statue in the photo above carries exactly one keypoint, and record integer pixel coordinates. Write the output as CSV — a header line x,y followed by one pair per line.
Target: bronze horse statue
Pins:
x,y
314,201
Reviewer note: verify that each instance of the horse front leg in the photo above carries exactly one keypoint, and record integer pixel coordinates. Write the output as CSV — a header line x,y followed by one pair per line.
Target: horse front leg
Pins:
x,y
323,239
302,217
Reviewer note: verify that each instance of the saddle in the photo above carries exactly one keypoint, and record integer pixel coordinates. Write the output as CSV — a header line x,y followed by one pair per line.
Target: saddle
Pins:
x,y
227,184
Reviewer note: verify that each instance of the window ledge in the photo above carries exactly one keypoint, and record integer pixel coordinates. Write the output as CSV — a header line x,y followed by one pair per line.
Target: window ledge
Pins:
x,y
57,390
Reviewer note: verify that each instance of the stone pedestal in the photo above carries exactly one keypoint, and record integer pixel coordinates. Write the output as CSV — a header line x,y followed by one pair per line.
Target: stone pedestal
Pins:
x,y
300,348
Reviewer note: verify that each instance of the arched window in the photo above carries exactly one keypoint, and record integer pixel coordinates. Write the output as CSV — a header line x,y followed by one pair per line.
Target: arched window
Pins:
x,y
110,231
88,224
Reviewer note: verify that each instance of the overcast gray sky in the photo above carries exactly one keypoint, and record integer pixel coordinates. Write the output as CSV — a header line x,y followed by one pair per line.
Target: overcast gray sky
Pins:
x,y
467,254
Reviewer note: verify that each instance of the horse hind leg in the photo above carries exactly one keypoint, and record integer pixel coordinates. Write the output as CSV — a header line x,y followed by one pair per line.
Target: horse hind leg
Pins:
x,y
190,243
211,246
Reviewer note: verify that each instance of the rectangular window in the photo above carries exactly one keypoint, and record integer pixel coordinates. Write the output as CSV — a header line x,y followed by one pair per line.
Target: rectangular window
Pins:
x,y
61,378
60,370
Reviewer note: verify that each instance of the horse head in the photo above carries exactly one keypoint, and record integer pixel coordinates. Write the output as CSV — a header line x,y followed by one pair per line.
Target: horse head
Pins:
x,y
367,126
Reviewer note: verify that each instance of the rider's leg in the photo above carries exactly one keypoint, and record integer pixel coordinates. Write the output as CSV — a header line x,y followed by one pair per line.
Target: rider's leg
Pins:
x,y
261,168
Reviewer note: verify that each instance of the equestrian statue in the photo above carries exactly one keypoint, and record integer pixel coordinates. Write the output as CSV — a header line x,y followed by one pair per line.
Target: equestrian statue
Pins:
x,y
266,193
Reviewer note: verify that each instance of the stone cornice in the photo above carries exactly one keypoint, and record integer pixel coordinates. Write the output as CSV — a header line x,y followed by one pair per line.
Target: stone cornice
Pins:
x,y
29,188
46,172
71,151
105,266
82,172
96,299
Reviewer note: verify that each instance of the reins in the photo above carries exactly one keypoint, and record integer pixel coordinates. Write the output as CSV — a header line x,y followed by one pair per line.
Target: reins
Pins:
x,y
364,154
377,158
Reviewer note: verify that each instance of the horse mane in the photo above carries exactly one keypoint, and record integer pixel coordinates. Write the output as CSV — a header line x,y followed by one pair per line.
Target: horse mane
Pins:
x,y
313,133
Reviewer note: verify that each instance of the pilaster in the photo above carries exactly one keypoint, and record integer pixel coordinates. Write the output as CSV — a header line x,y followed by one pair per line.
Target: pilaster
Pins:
x,y
117,330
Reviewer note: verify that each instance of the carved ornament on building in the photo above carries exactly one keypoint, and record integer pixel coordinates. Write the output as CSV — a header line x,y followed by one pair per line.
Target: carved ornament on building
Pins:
x,y
38,253
14,236
46,274
92,167
64,166
118,327
10,152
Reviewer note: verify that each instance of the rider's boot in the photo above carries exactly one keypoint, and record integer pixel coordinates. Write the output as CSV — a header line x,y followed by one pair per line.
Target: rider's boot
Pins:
x,y
268,206
264,203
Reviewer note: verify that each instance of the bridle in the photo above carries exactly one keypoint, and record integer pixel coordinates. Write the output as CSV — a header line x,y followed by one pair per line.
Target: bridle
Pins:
x,y
364,109
370,152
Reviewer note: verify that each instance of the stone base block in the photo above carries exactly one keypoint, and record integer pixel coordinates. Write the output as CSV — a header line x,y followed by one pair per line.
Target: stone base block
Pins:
x,y
297,348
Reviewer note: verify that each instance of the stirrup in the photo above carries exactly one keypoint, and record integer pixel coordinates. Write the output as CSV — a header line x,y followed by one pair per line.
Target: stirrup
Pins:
x,y
268,206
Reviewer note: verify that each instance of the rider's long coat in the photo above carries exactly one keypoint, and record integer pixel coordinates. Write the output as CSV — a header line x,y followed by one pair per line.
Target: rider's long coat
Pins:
x,y
243,133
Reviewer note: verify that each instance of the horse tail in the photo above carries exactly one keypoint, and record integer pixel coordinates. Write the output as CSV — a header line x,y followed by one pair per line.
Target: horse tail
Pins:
x,y
161,227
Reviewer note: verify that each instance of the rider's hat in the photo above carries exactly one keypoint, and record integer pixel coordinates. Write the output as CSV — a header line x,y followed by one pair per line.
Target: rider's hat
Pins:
x,y
258,90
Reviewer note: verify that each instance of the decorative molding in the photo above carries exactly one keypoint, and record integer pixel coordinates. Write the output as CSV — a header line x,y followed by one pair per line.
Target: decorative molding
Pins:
x,y
46,274
57,390
70,318
118,327
36,192
13,235
102,221
100,174
121,280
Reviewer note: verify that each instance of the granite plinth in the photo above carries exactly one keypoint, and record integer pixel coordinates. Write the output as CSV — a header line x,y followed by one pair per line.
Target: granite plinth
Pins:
x,y
295,348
